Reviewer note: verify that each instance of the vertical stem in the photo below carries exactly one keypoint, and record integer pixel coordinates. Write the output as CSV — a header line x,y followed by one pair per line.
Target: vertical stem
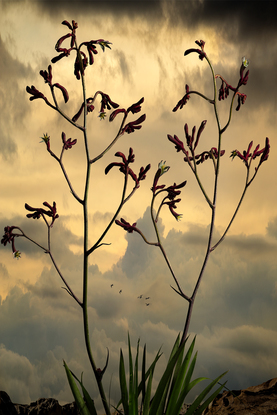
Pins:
x,y
192,299
85,263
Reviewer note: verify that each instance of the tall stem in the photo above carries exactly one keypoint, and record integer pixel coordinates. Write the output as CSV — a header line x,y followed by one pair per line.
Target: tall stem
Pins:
x,y
85,263
208,251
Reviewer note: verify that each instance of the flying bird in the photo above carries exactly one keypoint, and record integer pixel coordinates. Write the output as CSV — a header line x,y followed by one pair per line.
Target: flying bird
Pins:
x,y
140,296
120,291
147,298
111,285
147,304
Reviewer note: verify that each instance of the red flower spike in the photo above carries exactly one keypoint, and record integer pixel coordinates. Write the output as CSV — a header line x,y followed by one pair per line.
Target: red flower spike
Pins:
x,y
182,101
127,226
114,113
36,94
179,145
213,153
107,103
200,130
47,76
8,237
162,168
76,116
78,68
59,57
132,126
60,41
143,171
52,212
91,50
201,52
264,153
241,100
64,92
136,107
124,165
65,22
67,144
172,190
172,206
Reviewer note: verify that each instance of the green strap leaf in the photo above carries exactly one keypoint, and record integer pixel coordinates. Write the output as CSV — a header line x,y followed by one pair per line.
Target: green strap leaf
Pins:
x,y
76,393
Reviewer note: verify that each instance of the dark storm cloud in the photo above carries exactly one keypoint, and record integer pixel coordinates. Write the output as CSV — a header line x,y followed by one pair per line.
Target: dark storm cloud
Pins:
x,y
250,26
235,19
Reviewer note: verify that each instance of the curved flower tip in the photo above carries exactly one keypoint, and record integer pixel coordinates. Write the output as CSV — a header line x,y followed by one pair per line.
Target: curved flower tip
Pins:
x,y
64,92
114,113
201,52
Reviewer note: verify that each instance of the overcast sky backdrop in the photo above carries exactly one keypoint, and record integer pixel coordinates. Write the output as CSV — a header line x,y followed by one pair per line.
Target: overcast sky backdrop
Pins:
x,y
235,311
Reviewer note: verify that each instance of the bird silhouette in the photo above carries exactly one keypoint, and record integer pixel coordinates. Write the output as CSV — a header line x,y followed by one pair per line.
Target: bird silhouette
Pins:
x,y
120,291
147,304
140,296
111,285
147,298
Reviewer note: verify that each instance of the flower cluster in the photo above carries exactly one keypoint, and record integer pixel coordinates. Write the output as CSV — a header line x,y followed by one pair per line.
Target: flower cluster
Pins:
x,y
47,76
38,212
106,102
81,61
67,144
179,145
225,87
172,191
8,237
124,167
127,226
201,52
246,156
133,125
182,101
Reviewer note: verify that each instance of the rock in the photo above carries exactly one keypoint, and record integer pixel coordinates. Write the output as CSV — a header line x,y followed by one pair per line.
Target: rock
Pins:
x,y
256,400
6,405
40,407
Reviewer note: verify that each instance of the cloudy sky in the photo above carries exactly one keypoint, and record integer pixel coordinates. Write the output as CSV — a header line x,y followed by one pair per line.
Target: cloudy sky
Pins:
x,y
235,310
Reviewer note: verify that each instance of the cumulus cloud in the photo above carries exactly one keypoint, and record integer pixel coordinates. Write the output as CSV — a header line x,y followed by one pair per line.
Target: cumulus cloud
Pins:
x,y
235,307
238,282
